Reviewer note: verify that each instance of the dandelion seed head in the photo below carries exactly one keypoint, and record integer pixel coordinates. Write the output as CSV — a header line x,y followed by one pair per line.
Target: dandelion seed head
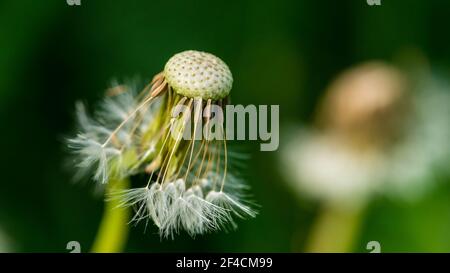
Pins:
x,y
130,134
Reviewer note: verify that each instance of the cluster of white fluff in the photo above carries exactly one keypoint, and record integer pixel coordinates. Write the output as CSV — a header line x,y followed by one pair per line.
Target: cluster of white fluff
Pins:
x,y
174,205
92,153
196,205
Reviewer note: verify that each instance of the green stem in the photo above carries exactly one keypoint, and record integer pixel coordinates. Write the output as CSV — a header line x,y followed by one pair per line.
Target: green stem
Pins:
x,y
112,234
335,230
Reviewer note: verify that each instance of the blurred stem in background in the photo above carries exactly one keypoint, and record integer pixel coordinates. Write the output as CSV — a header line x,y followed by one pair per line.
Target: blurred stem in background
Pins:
x,y
112,234
336,229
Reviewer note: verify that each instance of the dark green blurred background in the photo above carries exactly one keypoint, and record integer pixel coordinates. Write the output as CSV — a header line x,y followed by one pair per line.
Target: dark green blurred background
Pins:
x,y
280,52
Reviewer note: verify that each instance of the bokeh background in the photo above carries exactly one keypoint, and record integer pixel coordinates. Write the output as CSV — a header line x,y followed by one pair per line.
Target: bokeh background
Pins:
x,y
281,52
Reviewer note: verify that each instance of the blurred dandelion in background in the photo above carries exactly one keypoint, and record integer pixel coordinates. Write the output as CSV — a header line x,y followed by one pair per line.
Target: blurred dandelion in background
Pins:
x,y
159,133
377,131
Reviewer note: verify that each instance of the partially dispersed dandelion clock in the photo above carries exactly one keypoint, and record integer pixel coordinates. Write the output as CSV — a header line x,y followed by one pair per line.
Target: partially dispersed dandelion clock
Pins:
x,y
188,182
